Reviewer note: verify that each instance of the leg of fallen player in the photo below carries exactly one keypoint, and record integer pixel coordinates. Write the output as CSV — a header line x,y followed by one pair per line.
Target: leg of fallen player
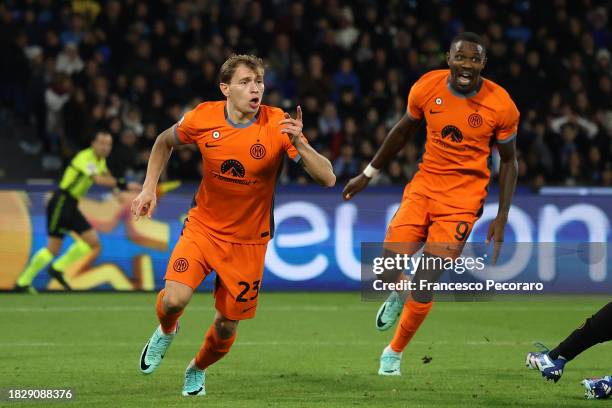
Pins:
x,y
551,363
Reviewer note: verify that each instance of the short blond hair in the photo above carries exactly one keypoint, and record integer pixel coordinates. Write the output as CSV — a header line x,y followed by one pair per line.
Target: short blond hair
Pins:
x,y
228,68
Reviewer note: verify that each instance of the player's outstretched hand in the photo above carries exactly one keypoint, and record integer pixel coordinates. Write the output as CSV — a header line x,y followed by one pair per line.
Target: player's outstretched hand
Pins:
x,y
354,186
144,204
496,232
293,127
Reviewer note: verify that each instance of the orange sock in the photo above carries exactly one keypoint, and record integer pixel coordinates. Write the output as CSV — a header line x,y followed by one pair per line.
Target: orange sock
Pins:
x,y
412,316
167,321
213,348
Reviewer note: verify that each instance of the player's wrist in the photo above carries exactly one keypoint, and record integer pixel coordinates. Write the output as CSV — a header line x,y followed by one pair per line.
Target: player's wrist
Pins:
x,y
370,171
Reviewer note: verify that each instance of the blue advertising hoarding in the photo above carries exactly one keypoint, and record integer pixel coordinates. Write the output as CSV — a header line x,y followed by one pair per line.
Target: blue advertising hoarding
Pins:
x,y
317,243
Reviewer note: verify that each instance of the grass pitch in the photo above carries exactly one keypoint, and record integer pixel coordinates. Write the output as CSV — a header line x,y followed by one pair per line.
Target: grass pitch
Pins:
x,y
302,350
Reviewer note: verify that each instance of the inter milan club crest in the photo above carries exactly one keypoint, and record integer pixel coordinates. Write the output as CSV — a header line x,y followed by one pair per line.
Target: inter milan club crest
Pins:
x,y
258,151
475,120
181,265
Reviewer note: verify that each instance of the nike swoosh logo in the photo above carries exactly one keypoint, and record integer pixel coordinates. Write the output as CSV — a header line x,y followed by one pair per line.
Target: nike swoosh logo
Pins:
x,y
434,112
211,145
379,321
247,309
195,392
143,365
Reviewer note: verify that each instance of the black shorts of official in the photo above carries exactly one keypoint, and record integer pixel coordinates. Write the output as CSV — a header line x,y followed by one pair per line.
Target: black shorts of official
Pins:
x,y
63,215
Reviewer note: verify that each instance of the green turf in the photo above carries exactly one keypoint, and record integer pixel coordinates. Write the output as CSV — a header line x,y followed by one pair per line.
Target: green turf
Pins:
x,y
302,350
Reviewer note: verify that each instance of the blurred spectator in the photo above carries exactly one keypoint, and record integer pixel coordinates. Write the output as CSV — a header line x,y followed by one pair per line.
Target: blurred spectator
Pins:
x,y
136,67
68,61
56,96
346,165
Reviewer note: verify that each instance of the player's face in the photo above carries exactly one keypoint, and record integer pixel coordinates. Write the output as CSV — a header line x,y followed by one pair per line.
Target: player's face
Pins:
x,y
466,60
102,144
245,90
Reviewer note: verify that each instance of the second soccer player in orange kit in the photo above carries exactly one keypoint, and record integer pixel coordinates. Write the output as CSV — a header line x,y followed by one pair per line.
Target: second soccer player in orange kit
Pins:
x,y
465,115
243,144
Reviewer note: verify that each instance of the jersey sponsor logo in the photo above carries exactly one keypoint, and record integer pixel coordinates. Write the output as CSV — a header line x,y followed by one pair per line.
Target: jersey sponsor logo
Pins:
x,y
258,151
216,134
438,101
232,171
475,120
453,132
92,169
209,145
433,112
233,167
180,265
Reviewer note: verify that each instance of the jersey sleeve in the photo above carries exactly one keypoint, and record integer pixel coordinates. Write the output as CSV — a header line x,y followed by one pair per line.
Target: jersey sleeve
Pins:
x,y
185,130
290,148
416,100
508,121
82,162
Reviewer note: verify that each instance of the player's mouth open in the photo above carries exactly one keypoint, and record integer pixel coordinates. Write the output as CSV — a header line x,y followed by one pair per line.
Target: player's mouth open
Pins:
x,y
254,103
465,78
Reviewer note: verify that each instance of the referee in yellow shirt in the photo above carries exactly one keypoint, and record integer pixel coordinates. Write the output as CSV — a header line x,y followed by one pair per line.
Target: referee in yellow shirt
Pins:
x,y
88,167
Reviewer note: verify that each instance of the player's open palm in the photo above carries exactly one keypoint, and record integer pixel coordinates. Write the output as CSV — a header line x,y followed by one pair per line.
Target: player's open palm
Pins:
x,y
144,204
354,186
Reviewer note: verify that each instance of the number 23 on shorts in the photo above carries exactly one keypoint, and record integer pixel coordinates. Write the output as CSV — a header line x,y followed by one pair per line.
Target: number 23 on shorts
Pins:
x,y
248,289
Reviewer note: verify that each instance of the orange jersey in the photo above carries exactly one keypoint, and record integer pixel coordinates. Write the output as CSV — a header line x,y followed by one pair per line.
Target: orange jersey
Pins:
x,y
460,132
241,163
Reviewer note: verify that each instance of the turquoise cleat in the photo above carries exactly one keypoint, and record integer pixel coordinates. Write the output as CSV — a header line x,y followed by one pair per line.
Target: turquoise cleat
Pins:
x,y
389,312
194,381
390,362
155,349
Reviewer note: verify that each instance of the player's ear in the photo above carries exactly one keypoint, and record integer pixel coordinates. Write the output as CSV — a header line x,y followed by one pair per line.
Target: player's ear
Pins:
x,y
224,89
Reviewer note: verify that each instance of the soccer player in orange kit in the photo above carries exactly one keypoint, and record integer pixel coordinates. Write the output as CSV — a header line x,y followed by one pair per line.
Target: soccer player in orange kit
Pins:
x,y
465,115
243,144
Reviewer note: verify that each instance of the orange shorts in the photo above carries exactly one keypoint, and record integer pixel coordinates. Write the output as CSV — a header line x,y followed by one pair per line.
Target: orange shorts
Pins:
x,y
239,269
421,220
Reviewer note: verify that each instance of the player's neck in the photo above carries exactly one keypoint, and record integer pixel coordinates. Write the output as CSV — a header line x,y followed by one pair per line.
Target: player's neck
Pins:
x,y
238,117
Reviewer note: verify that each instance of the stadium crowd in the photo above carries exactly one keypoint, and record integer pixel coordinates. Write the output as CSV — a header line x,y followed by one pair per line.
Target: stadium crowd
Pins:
x,y
135,67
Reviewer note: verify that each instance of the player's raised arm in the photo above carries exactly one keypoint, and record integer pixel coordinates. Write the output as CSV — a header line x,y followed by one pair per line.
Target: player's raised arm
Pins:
x,y
508,173
315,164
405,129
146,201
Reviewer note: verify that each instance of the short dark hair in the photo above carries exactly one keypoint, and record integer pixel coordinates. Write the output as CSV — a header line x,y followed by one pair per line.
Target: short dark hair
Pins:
x,y
101,131
469,37
228,68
